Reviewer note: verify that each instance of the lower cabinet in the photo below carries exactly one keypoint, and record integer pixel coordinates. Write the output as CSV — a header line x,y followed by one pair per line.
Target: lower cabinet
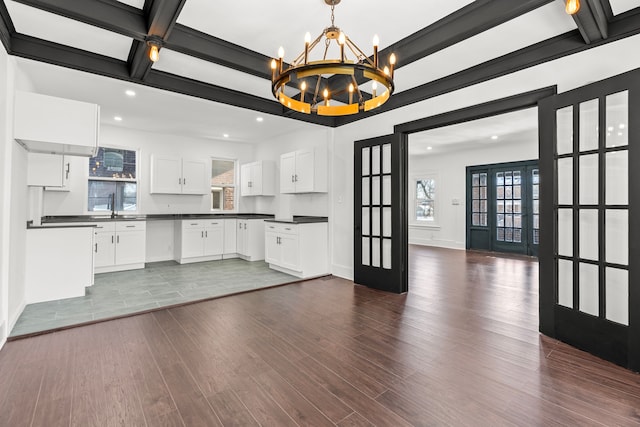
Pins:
x,y
250,239
199,240
229,249
119,245
297,249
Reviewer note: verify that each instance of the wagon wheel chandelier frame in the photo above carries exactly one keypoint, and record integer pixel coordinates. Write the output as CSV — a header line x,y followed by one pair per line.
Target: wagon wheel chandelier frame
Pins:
x,y
301,70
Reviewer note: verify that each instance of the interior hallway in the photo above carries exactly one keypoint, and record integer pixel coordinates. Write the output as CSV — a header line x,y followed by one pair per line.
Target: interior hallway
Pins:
x,y
461,348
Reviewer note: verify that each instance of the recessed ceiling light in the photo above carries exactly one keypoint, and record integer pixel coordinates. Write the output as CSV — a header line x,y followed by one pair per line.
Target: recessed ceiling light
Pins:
x,y
429,148
259,119
130,92
494,137
619,133
226,135
610,128
621,126
117,118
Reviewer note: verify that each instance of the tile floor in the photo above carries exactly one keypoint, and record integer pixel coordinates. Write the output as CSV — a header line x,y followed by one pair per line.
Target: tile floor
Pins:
x,y
159,284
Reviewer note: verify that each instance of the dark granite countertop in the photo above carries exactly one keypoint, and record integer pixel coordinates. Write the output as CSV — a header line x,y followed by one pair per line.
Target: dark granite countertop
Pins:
x,y
300,220
30,226
152,217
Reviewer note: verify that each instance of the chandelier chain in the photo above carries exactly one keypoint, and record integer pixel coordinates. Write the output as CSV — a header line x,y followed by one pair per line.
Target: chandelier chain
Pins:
x,y
333,6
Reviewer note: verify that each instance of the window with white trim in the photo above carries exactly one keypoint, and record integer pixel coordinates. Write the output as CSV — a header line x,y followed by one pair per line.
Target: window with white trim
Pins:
x,y
223,184
113,184
424,200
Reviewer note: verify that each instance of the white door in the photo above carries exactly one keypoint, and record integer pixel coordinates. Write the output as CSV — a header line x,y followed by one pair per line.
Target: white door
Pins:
x,y
195,176
303,175
130,247
104,248
213,238
287,173
166,175
289,253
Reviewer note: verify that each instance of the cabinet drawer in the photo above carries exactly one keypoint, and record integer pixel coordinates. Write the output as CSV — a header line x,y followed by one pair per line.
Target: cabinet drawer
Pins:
x,y
214,223
190,224
105,227
281,228
130,225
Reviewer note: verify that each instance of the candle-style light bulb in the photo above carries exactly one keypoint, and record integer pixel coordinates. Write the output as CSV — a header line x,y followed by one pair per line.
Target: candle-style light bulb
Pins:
x,y
281,57
386,70
351,89
274,66
374,88
392,63
325,93
303,88
341,41
572,7
154,53
307,40
376,43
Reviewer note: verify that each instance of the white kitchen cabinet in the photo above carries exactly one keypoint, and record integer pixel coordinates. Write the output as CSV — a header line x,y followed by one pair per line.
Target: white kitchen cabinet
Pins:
x,y
229,249
119,245
48,170
199,240
47,124
258,178
297,249
176,175
304,171
250,239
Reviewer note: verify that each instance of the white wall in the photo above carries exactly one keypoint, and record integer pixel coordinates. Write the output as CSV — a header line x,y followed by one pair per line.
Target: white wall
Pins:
x,y
283,205
448,229
74,202
6,88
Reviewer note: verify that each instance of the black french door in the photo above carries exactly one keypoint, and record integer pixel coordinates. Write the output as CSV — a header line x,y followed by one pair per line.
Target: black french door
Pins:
x,y
380,232
589,152
503,207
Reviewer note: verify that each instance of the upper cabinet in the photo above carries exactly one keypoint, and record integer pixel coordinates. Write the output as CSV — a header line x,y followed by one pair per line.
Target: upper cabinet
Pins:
x,y
46,124
176,175
48,170
258,179
304,171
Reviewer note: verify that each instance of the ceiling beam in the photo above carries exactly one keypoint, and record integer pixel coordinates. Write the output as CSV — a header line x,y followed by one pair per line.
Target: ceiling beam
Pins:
x,y
6,27
161,18
624,25
592,20
53,53
107,14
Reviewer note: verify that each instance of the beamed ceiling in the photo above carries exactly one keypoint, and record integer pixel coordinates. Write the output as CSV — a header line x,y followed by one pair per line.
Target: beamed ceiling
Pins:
x,y
220,51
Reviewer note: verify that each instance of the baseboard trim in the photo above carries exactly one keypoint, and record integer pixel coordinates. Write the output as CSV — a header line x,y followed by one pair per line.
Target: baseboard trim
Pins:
x,y
447,244
343,271
14,320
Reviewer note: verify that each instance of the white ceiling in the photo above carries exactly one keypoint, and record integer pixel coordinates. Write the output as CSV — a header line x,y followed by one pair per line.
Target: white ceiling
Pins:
x,y
263,26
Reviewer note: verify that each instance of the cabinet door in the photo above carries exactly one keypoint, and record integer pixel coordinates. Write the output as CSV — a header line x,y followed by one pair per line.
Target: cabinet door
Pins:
x,y
242,238
256,178
304,171
287,173
245,180
45,170
272,247
192,242
289,253
130,247
66,171
230,236
213,238
104,249
166,175
196,178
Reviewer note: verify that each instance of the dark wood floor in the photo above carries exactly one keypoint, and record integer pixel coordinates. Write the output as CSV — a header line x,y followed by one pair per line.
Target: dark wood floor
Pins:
x,y
461,348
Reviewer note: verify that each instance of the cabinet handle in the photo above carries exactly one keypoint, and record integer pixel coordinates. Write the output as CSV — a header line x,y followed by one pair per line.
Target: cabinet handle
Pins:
x,y
118,239
67,171
96,250
245,225
184,181
131,226
292,178
296,177
271,226
111,240
194,223
206,234
202,234
240,225
180,181
288,229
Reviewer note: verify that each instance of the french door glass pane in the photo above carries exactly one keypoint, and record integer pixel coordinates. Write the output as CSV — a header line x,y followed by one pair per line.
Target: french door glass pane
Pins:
x,y
375,222
375,160
535,208
366,152
365,191
375,256
565,181
375,190
617,236
366,242
386,222
617,178
617,119
589,234
565,283
617,295
386,158
589,179
589,125
565,232
386,190
366,225
564,132
588,288
386,253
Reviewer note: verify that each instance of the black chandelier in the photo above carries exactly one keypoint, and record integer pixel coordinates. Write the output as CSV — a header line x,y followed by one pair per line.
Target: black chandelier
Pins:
x,y
305,74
